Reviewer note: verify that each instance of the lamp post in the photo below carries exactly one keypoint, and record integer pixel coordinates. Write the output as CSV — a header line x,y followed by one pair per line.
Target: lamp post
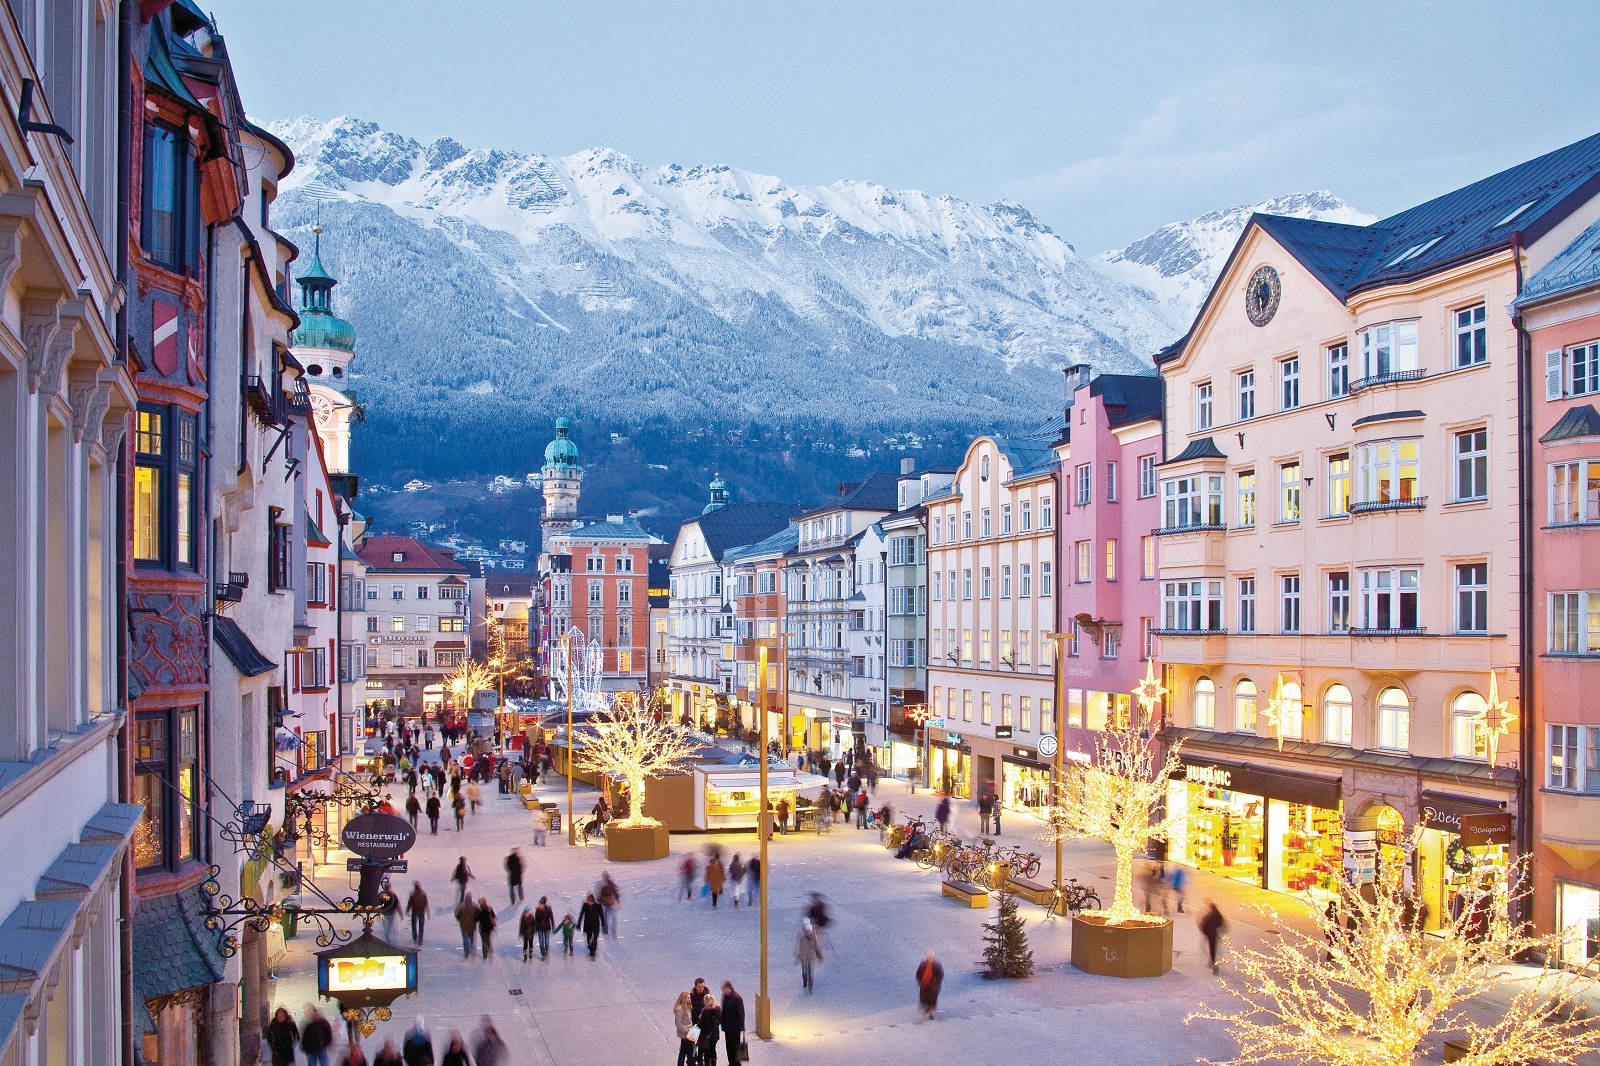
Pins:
x,y
763,831
572,835
1060,640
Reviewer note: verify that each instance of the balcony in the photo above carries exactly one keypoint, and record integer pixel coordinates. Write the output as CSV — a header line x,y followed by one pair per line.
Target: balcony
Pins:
x,y
1415,503
1393,377
1569,822
1418,631
1193,527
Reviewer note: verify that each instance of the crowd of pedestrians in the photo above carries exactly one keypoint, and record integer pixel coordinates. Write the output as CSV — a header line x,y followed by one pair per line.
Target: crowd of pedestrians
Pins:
x,y
704,1022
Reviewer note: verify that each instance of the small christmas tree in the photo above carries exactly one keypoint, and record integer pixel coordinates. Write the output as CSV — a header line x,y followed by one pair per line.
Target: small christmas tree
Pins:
x,y
1005,951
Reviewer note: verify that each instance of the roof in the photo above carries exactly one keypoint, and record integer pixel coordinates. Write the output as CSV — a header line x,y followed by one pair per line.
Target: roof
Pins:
x,y
880,492
784,540
1580,421
378,553
1204,448
172,949
1130,398
314,533
625,528
1387,416
1575,267
511,583
734,525
239,648
1520,204
1028,457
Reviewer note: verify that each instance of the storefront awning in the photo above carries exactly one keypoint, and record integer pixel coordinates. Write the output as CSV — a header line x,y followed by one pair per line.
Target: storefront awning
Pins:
x,y
172,949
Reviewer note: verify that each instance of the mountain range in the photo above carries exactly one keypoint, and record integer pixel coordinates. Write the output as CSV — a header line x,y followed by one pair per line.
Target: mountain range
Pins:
x,y
705,309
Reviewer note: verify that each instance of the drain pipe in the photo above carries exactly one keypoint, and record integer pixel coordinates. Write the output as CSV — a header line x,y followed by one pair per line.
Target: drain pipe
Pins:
x,y
1526,725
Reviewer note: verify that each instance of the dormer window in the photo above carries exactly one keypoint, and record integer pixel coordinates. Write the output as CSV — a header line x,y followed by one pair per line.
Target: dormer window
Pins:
x,y
398,557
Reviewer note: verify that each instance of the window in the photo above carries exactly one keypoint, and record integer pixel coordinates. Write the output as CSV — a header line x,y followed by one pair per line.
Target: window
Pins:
x,y
966,705
1147,476
1338,371
1244,707
966,584
1005,710
1085,556
1388,350
1289,603
279,551
966,525
952,523
1472,336
1191,606
1111,482
624,564
1147,546
1085,482
1338,485
422,592
397,592
1005,647
1247,499
1562,770
1289,492
1111,560
372,623
1027,515
1472,598
1194,501
1202,406
1583,371
1389,599
316,584
1245,381
1469,737
165,480
1291,712
952,584
149,478
452,624
966,644
986,582
1339,602
1005,518
624,593
1147,638
1394,720
1046,513
1025,647
1388,471
1205,704
165,747
596,591
1044,579
164,225
1025,580
1110,642
986,524
1005,582
398,659
1027,714
1336,715
988,709
1574,623
1246,622
1289,383
1472,465
397,623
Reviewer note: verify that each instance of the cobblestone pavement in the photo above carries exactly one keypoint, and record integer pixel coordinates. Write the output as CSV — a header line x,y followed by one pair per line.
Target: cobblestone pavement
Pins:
x,y
887,915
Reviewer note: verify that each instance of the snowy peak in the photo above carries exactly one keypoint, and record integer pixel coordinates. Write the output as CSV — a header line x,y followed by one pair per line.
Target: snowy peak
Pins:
x,y
1178,262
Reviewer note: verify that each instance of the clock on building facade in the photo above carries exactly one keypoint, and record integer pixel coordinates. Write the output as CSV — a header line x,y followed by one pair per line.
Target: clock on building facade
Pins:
x,y
1261,295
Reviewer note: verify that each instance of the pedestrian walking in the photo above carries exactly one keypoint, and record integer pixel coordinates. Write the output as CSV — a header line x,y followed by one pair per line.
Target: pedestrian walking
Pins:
x,y
462,874
316,1039
610,897
941,814
417,908
885,820
283,1036
590,920
733,1024
838,773
486,924
716,876
985,805
460,807
544,923
490,1050
391,910
994,815
686,870
809,951
861,808
1176,879
474,795
354,1056
525,930
567,928
433,814
418,1046
413,808
752,879
514,876
541,826
735,877
930,978
683,1023
467,919
1211,926
427,738
710,1030
456,1053
783,815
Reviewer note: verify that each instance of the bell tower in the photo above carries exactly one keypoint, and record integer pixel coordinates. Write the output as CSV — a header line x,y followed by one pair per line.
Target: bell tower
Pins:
x,y
325,345
563,479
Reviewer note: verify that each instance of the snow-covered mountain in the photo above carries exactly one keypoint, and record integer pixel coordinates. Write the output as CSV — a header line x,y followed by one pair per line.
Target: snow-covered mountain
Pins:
x,y
1178,262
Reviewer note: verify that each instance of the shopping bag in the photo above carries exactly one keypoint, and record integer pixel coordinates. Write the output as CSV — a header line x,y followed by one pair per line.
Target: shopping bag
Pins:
x,y
705,890
693,1035
744,1050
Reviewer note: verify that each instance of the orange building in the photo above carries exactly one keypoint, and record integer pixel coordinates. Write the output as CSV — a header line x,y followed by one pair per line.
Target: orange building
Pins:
x,y
597,581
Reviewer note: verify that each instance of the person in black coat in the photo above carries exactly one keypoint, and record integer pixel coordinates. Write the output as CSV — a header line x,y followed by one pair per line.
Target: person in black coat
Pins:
x,y
732,1021
433,814
710,1029
591,919
283,1036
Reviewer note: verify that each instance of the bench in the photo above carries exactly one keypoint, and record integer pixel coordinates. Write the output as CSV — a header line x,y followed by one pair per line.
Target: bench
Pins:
x,y
971,895
1032,891
529,800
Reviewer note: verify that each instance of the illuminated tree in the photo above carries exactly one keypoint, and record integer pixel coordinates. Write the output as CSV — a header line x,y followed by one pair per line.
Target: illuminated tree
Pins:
x,y
467,679
1369,988
1121,795
630,745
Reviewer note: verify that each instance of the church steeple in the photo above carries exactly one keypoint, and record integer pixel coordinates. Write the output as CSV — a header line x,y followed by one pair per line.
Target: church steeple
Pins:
x,y
319,326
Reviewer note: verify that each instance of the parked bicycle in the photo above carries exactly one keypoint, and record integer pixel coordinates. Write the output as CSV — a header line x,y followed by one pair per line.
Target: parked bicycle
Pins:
x,y
1078,897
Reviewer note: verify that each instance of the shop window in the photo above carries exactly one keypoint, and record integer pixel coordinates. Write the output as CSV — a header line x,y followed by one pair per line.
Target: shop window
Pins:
x,y
1244,707
1394,720
1205,704
1578,917
1336,715
1469,739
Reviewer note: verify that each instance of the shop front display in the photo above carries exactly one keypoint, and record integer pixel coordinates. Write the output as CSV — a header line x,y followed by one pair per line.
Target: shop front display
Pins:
x,y
905,759
1578,918
1024,781
950,768
1462,841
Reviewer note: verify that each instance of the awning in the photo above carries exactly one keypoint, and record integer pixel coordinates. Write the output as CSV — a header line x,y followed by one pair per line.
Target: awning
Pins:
x,y
239,648
172,949
449,645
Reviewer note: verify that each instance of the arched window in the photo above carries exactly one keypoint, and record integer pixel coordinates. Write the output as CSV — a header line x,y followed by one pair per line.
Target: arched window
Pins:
x,y
1336,715
1469,739
1291,712
985,468
1394,720
1205,704
1244,706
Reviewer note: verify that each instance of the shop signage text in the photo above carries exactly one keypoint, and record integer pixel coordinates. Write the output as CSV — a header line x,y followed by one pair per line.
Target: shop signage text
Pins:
x,y
1476,826
376,835
1310,789
1214,776
1002,732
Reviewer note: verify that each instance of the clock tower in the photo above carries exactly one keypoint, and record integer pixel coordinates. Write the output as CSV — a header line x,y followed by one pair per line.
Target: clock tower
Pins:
x,y
325,344
563,478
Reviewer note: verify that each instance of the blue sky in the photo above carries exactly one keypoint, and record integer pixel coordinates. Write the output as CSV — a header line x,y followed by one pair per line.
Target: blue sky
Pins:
x,y
1106,120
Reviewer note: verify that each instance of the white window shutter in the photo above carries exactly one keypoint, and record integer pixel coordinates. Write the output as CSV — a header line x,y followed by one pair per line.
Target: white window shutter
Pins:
x,y
1552,374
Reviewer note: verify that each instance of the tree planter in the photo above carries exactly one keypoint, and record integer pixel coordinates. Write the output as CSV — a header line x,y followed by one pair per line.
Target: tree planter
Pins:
x,y
639,843
1139,949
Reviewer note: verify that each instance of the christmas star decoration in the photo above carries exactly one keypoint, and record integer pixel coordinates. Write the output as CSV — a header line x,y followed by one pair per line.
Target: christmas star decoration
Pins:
x,y
1496,719
1149,691
1274,713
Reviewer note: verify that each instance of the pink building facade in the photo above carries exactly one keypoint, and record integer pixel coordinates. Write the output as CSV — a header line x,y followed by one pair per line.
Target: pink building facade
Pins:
x,y
1110,508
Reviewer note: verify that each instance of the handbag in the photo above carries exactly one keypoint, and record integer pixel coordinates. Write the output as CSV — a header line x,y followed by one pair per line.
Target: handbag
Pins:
x,y
693,1035
744,1050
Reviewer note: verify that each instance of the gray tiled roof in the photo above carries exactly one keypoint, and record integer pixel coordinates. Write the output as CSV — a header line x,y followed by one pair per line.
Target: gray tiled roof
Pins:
x,y
1580,421
880,492
784,540
1574,267
736,525
239,648
1204,448
172,949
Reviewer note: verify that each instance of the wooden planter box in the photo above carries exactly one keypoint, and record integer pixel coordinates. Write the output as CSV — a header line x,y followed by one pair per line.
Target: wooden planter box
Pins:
x,y
1139,950
637,843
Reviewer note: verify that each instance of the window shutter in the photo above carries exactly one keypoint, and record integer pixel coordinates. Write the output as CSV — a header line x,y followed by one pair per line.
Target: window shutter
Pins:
x,y
1552,374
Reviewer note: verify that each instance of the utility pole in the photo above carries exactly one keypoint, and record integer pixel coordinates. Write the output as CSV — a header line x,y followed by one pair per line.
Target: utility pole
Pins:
x,y
763,831
1060,640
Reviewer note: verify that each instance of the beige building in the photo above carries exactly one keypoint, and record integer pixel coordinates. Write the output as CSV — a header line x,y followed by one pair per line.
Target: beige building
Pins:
x,y
1339,538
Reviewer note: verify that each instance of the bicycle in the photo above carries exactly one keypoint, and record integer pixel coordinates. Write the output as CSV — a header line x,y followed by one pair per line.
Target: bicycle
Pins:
x,y
591,830
1076,897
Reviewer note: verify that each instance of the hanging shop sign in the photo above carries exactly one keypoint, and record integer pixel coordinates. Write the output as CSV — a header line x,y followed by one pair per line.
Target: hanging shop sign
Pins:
x,y
1309,789
1002,732
1047,745
376,835
367,972
1478,823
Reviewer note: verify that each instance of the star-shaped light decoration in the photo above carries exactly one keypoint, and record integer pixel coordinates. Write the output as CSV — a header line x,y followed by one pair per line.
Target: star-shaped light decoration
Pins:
x,y
1496,719
917,713
1275,710
1149,692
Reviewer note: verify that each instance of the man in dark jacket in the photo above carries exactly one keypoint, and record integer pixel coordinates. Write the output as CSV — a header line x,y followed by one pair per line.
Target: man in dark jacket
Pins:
x,y
591,919
282,1036
732,1021
418,1047
514,875
433,814
315,1039
417,907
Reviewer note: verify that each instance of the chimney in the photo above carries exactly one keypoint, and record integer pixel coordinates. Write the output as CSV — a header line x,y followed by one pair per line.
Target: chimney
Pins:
x,y
613,517
1078,375
908,466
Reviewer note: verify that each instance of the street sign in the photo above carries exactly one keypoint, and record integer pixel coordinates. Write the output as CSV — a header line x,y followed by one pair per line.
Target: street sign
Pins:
x,y
376,835
1047,745
397,866
934,723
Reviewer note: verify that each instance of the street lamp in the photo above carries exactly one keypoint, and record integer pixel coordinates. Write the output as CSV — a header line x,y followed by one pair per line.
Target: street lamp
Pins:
x,y
1060,640
763,831
572,836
